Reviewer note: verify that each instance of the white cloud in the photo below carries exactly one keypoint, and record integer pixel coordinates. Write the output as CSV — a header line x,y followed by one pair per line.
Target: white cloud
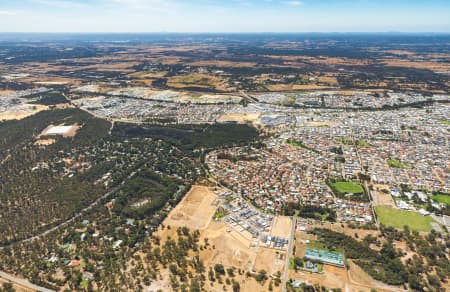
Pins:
x,y
293,3
61,3
152,5
9,12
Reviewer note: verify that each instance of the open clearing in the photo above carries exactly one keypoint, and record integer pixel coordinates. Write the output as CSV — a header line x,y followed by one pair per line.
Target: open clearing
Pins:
x,y
196,80
21,112
270,261
228,246
382,199
399,218
240,118
195,210
61,130
281,226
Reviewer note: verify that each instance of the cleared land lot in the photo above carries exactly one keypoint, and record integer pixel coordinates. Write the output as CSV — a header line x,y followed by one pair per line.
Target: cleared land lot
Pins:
x,y
195,210
399,218
228,246
21,112
268,260
240,118
281,226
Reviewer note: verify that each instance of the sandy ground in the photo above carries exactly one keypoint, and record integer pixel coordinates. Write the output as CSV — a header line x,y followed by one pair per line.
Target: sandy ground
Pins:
x,y
231,248
195,210
71,133
45,142
240,118
22,112
281,227
5,92
382,199
228,246
270,261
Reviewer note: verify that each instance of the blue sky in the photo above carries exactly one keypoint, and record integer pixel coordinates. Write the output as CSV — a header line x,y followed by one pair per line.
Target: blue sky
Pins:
x,y
224,15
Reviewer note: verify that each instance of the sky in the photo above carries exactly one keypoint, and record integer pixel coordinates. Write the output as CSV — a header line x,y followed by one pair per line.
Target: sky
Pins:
x,y
225,16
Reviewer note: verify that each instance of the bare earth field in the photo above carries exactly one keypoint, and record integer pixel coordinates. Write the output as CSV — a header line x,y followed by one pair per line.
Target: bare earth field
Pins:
x,y
270,261
195,210
22,112
229,247
281,226
240,118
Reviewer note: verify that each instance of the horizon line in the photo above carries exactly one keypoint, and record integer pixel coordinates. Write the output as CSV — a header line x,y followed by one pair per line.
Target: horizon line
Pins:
x,y
224,32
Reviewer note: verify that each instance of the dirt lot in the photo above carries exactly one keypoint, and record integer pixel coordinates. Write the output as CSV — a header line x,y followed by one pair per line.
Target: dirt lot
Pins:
x,y
281,227
380,198
22,112
331,278
270,261
231,248
240,118
195,210
228,246
71,133
45,142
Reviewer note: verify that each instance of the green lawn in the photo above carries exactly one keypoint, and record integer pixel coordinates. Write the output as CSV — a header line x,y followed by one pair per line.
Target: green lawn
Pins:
x,y
445,122
320,246
348,187
396,163
399,218
442,198
291,264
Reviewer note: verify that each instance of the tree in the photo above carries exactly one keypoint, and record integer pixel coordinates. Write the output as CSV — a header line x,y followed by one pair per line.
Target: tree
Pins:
x,y
219,269
8,287
236,286
261,277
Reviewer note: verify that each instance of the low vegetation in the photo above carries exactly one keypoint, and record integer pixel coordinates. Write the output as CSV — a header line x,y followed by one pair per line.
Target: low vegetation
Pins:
x,y
399,218
348,189
396,163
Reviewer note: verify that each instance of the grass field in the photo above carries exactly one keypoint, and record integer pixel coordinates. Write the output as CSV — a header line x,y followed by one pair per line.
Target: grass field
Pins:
x,y
399,218
348,187
445,122
396,163
442,198
320,246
